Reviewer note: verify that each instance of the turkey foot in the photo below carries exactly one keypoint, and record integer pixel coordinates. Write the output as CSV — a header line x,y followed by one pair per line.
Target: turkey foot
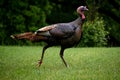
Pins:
x,y
39,63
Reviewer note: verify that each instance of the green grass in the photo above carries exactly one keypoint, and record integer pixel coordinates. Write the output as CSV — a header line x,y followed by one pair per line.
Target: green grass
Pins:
x,y
19,63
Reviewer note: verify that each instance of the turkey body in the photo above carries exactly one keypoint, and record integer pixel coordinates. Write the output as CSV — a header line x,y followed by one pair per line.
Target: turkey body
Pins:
x,y
65,35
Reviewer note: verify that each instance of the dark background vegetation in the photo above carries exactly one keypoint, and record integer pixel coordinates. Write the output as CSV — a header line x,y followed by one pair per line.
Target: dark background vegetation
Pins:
x,y
101,28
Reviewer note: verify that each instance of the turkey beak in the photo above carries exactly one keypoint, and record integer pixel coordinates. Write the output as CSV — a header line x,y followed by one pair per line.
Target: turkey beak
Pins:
x,y
85,8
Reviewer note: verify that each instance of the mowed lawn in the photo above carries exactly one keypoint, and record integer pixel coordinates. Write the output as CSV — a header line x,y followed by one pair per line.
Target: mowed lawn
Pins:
x,y
19,63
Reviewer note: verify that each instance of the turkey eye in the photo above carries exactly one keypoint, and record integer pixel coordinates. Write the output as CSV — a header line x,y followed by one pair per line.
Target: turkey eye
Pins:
x,y
82,9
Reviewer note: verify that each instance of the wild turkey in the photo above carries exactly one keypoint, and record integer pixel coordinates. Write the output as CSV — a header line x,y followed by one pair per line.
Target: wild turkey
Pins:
x,y
64,34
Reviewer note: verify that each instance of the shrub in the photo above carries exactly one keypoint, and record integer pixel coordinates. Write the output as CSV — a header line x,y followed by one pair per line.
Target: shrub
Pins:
x,y
94,34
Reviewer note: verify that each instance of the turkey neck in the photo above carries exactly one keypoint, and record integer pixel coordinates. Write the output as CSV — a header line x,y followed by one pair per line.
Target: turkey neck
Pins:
x,y
77,22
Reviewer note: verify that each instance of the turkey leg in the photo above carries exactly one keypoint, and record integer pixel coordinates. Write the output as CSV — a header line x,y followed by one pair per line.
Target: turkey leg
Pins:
x,y
61,55
43,51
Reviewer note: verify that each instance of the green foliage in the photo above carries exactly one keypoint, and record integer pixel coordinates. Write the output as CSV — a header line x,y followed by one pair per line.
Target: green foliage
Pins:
x,y
17,16
94,33
19,63
21,16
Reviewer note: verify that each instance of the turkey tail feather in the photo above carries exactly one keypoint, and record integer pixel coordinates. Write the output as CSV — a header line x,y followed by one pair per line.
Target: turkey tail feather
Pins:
x,y
28,36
